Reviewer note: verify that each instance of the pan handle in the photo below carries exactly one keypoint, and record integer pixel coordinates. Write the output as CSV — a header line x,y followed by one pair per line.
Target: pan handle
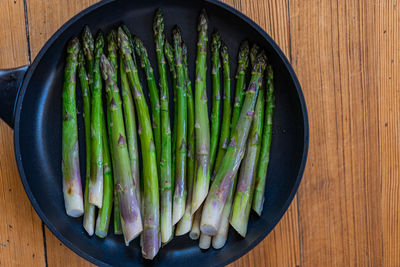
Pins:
x,y
10,82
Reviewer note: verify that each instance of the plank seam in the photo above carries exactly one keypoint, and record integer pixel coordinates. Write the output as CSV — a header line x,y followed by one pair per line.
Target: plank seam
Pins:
x,y
27,31
44,245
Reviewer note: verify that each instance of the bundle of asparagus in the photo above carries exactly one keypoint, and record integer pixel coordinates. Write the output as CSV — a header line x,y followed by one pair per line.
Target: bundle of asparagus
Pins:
x,y
171,186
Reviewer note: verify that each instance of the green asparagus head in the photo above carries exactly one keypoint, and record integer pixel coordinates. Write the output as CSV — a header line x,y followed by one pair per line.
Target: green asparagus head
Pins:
x,y
73,46
88,42
158,25
224,53
253,54
261,62
123,42
184,54
140,49
106,68
215,42
169,52
99,43
177,36
203,23
81,58
112,42
243,57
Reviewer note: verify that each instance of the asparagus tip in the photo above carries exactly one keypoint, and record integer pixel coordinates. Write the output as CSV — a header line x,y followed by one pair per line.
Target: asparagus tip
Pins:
x,y
203,21
73,46
216,41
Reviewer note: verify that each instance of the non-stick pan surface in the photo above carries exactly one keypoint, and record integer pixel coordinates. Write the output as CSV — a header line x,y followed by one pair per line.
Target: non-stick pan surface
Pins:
x,y
38,129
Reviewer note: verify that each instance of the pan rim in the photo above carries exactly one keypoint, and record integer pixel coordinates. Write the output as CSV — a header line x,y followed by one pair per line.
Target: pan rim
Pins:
x,y
92,8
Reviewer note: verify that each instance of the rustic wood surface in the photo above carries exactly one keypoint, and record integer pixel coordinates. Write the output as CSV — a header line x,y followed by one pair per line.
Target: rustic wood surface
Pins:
x,y
347,57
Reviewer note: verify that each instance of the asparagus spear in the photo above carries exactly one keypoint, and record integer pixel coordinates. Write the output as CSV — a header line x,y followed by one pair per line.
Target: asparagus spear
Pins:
x,y
112,56
128,203
150,237
244,192
216,104
202,127
224,177
220,238
153,92
72,187
169,55
96,168
258,199
185,224
89,209
86,80
88,51
180,192
165,158
226,114
104,215
130,127
243,62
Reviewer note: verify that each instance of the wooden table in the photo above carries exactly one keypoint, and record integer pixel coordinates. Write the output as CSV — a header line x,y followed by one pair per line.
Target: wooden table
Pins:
x,y
347,58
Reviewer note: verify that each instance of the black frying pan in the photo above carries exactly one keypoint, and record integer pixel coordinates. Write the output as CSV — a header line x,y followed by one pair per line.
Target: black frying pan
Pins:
x,y
35,113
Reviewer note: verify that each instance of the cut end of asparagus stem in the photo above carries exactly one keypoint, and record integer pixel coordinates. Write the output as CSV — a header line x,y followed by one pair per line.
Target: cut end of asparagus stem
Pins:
x,y
219,241
150,245
195,231
205,241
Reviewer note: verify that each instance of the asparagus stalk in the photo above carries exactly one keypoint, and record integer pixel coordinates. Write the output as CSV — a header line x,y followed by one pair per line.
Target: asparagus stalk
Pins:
x,y
153,92
202,127
225,175
104,215
216,104
89,209
150,237
195,231
243,62
72,187
112,56
165,158
226,114
169,55
128,203
185,224
96,168
88,51
244,192
180,191
219,240
130,128
258,199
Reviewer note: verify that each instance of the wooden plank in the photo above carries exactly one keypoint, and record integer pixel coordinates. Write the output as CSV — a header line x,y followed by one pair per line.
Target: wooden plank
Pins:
x,y
21,242
46,17
340,197
387,36
281,247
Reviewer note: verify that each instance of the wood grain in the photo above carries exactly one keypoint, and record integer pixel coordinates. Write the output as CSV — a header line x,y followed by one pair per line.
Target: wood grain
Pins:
x,y
340,202
21,242
387,36
347,57
44,18
281,247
